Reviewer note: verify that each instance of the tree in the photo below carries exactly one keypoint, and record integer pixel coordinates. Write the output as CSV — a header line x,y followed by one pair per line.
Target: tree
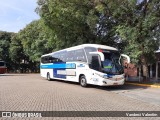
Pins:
x,y
34,40
5,39
75,22
130,23
138,23
16,53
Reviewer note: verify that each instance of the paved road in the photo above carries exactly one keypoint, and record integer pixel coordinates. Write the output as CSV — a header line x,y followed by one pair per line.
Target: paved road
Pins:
x,y
30,92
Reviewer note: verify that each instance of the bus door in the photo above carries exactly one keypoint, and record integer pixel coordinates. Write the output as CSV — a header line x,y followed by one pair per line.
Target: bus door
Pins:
x,y
95,65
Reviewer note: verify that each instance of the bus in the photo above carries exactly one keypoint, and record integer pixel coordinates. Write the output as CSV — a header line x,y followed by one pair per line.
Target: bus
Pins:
x,y
3,67
86,64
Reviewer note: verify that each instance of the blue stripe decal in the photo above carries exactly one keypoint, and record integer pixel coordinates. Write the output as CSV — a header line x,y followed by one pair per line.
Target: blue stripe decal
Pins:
x,y
57,75
63,65
59,66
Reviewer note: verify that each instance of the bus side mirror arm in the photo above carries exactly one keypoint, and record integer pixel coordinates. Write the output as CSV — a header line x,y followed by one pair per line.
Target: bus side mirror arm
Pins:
x,y
98,53
126,56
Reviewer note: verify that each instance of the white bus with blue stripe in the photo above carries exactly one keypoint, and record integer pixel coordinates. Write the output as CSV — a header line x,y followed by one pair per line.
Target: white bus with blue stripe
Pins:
x,y
87,64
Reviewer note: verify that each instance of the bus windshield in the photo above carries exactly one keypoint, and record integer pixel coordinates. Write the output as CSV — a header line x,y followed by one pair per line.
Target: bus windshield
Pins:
x,y
111,63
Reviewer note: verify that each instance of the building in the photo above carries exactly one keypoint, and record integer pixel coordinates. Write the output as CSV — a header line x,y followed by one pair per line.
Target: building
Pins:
x,y
134,73
157,71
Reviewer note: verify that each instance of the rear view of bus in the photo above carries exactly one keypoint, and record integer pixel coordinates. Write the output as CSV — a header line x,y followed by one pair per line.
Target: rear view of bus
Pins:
x,y
3,67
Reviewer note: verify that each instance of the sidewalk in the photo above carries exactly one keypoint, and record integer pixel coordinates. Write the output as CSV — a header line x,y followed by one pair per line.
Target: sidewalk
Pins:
x,y
151,83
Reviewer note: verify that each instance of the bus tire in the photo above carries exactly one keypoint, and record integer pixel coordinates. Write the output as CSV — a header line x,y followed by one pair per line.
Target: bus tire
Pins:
x,y
83,81
48,77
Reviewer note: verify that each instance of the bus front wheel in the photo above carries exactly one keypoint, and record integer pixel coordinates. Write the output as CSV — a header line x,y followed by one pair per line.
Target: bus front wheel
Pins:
x,y
83,81
48,77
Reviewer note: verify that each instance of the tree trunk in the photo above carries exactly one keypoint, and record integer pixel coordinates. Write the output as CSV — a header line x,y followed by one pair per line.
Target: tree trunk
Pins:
x,y
145,72
140,73
144,68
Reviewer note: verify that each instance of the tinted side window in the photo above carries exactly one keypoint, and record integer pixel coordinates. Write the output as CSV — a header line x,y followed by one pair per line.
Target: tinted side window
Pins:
x,y
89,56
80,55
48,59
70,56
52,59
62,56
44,59
59,57
76,55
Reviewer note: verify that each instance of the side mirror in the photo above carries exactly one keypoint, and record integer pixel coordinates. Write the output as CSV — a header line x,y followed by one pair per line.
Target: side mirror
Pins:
x,y
98,53
127,57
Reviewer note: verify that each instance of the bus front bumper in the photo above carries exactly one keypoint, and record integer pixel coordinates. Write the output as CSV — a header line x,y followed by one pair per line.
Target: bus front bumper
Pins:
x,y
112,82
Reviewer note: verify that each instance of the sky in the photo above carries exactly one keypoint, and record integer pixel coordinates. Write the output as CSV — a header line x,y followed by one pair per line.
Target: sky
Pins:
x,y
16,14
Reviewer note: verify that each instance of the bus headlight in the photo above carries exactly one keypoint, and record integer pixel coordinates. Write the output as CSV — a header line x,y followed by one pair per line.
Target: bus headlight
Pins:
x,y
99,74
103,76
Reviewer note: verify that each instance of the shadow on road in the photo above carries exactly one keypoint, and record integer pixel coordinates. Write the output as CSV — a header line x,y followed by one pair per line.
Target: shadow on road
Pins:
x,y
119,88
12,75
107,88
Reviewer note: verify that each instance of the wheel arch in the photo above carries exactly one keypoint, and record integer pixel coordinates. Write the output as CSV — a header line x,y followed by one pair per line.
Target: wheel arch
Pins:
x,y
80,77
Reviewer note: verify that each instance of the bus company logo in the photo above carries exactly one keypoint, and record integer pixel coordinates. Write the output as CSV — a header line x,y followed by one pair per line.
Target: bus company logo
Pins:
x,y
70,65
95,79
6,114
81,65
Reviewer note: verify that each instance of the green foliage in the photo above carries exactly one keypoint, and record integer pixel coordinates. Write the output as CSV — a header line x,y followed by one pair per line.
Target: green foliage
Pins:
x,y
34,40
16,49
5,39
16,53
76,21
137,24
131,26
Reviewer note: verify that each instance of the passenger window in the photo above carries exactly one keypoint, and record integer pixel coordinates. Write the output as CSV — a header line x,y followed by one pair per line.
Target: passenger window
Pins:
x,y
70,56
60,56
80,55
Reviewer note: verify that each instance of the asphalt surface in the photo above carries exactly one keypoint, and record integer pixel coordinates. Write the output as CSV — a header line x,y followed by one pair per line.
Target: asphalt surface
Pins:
x,y
31,92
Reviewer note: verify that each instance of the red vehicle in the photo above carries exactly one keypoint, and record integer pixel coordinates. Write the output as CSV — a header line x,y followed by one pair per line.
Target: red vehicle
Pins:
x,y
3,67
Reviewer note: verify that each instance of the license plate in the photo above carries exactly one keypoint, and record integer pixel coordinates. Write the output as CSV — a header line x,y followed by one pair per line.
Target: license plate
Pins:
x,y
115,83
118,79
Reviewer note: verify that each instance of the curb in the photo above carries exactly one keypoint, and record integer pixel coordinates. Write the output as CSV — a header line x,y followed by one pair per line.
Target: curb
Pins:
x,y
144,85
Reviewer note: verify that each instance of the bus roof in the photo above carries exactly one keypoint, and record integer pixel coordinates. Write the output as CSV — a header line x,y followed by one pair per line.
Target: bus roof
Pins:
x,y
85,45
